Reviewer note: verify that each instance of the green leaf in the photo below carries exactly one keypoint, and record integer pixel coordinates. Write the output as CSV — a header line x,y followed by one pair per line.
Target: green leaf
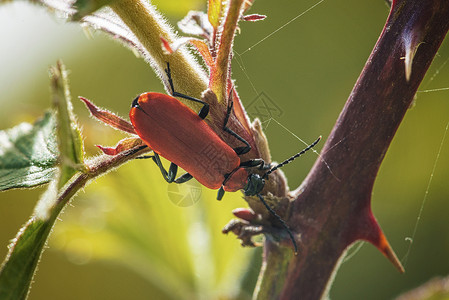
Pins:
x,y
69,137
28,154
24,253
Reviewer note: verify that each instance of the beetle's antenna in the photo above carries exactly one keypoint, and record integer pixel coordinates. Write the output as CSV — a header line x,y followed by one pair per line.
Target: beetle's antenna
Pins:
x,y
291,158
281,221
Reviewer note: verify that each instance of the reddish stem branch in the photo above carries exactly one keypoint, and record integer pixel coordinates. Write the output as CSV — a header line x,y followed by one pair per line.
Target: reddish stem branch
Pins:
x,y
219,74
332,209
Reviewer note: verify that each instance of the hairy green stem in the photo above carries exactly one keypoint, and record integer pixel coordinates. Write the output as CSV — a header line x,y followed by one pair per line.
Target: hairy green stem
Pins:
x,y
149,26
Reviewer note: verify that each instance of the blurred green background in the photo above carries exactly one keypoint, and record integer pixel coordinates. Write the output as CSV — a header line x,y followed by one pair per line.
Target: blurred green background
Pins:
x,y
122,237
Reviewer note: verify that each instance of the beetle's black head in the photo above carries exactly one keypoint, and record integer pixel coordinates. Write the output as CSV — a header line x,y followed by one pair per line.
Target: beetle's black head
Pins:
x,y
136,102
254,185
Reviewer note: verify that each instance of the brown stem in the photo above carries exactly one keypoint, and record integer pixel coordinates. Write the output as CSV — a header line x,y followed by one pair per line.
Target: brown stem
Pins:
x,y
97,167
332,207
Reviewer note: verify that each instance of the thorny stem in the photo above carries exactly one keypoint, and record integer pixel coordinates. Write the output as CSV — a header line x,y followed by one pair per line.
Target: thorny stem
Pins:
x,y
332,210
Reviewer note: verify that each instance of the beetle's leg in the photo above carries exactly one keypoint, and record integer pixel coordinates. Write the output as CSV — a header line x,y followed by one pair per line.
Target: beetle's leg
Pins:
x,y
144,157
228,176
168,176
183,178
238,150
171,174
254,163
204,111
220,193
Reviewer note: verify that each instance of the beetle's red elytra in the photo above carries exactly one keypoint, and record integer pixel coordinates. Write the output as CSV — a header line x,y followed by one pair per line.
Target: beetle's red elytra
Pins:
x,y
175,132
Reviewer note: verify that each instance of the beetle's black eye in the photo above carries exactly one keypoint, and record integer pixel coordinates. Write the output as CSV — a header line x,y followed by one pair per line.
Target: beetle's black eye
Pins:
x,y
136,102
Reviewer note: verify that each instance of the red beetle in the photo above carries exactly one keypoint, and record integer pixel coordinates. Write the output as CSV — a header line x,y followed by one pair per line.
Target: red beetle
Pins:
x,y
165,125
177,133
